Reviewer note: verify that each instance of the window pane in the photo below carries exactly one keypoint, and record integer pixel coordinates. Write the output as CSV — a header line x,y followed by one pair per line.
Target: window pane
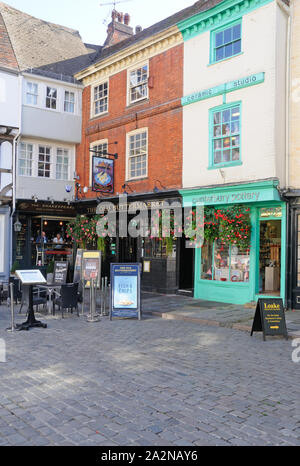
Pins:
x,y
220,53
219,39
228,50
206,261
236,47
236,32
240,265
227,35
236,154
221,261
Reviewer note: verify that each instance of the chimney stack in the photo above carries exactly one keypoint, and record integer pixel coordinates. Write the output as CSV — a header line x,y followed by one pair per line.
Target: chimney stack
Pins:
x,y
119,29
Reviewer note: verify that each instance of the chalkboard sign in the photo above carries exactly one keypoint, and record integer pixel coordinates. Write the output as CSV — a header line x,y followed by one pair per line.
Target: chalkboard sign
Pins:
x,y
125,299
60,272
269,318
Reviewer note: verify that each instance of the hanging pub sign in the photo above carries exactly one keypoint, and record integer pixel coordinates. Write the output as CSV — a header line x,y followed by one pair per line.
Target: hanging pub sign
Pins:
x,y
60,272
269,318
125,299
102,174
91,266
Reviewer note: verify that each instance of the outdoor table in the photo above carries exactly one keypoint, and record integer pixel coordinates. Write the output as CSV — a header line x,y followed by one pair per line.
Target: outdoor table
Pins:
x,y
51,289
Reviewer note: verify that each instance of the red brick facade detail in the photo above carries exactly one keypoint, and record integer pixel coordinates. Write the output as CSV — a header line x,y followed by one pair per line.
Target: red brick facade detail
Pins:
x,y
161,114
7,55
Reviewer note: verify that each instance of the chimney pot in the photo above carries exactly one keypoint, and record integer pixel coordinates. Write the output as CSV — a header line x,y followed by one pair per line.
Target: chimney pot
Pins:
x,y
126,19
138,29
120,17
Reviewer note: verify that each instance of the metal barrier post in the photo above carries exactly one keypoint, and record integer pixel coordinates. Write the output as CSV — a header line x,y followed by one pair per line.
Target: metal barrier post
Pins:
x,y
105,295
92,317
12,308
82,288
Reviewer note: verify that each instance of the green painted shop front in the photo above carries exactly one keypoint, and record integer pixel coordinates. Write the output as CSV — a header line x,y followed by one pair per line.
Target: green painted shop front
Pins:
x,y
266,260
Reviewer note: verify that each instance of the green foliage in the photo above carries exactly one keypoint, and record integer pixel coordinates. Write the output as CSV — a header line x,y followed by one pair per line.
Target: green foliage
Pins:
x,y
15,266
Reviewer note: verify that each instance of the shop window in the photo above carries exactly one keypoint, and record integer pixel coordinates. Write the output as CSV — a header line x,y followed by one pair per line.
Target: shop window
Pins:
x,y
221,262
226,42
225,127
154,248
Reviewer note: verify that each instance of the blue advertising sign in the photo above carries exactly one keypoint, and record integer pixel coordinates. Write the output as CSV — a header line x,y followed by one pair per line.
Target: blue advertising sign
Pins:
x,y
125,290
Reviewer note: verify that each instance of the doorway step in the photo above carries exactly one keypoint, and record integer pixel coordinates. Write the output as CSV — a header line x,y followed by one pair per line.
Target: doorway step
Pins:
x,y
185,292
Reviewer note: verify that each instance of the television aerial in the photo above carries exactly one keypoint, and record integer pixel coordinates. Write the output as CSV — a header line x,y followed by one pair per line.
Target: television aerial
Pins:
x,y
114,3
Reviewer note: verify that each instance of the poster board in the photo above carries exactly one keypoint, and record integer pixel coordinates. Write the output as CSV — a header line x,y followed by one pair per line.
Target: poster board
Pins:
x,y
91,266
31,277
125,299
60,272
269,318
78,266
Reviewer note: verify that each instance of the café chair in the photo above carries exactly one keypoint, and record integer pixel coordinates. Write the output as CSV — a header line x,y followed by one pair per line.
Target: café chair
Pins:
x,y
39,255
68,298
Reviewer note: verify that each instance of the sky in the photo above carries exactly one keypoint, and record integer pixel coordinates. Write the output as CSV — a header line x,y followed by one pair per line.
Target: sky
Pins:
x,y
88,16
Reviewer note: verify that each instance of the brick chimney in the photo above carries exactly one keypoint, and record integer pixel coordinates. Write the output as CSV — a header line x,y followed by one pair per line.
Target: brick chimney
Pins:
x,y
118,29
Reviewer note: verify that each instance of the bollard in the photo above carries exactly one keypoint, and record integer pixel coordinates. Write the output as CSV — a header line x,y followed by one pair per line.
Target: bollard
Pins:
x,y
92,317
12,309
105,295
101,296
82,304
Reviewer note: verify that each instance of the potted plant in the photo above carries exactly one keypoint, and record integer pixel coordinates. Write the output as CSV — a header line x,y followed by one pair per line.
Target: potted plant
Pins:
x,y
15,267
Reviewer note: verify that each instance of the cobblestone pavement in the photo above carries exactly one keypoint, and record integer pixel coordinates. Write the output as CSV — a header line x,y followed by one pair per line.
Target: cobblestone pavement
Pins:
x,y
153,382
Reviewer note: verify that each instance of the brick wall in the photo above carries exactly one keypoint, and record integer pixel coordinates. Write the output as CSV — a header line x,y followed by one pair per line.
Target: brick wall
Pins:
x,y
161,114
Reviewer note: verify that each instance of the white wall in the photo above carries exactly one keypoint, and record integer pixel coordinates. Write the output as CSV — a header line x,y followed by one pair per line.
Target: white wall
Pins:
x,y
2,236
42,187
9,99
262,148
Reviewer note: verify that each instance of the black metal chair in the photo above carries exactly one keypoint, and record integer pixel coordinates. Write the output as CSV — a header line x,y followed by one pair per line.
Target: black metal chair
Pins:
x,y
68,298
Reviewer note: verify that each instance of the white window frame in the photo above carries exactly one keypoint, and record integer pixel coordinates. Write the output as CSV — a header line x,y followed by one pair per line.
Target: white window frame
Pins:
x,y
31,93
93,101
28,160
130,87
92,146
65,154
50,161
128,156
52,98
69,102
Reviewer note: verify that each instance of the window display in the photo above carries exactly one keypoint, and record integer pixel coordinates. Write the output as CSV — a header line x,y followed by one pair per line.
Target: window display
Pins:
x,y
224,263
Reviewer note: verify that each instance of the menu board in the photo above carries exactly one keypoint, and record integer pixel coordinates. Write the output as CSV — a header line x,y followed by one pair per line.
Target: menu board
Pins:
x,y
125,290
30,277
60,272
269,318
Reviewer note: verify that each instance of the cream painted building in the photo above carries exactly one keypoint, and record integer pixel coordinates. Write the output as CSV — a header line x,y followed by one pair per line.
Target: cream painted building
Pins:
x,y
260,53
235,145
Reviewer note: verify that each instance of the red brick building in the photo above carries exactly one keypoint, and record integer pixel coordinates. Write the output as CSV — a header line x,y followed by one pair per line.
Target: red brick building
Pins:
x,y
132,106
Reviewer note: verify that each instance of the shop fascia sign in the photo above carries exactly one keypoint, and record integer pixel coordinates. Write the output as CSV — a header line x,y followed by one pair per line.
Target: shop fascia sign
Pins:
x,y
138,205
230,86
231,196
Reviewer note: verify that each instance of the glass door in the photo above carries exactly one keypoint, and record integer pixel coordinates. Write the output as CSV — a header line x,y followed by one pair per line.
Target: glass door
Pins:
x,y
269,256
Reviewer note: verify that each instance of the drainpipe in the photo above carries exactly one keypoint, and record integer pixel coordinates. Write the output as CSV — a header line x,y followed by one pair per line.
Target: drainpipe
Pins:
x,y
288,278
14,168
